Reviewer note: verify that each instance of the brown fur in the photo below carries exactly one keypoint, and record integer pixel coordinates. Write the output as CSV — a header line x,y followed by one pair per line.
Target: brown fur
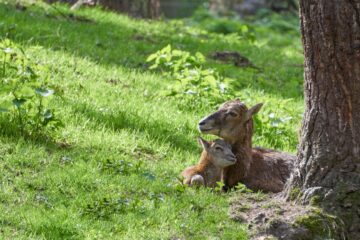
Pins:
x,y
257,168
205,168
210,167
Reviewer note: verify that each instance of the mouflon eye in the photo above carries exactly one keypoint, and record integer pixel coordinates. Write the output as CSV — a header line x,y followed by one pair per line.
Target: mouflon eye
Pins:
x,y
233,114
218,148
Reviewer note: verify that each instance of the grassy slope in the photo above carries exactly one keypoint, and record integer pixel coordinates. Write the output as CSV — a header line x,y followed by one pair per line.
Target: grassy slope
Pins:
x,y
117,179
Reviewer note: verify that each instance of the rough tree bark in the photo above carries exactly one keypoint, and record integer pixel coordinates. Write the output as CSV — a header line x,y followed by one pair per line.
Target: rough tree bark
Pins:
x,y
154,8
328,163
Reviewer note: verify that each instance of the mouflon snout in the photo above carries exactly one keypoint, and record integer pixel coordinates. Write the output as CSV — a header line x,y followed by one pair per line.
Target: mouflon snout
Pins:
x,y
231,120
209,124
226,160
229,155
231,158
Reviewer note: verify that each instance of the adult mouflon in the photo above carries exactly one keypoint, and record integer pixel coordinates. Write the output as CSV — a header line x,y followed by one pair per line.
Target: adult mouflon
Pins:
x,y
258,168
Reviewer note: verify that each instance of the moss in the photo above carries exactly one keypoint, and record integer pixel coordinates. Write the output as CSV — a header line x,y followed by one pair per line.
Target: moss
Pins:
x,y
312,222
315,201
353,197
319,224
350,203
295,193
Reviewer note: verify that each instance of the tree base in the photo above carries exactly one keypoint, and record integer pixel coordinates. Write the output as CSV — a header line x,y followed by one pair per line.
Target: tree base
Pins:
x,y
342,200
271,217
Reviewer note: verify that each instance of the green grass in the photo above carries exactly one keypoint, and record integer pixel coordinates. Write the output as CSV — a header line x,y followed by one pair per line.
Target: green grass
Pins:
x,y
112,171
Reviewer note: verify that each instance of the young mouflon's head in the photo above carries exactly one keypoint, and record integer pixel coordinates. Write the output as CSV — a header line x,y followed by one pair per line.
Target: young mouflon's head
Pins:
x,y
229,120
219,151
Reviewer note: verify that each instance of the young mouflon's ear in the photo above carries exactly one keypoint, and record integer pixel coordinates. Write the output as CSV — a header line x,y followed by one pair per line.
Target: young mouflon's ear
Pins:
x,y
205,144
254,109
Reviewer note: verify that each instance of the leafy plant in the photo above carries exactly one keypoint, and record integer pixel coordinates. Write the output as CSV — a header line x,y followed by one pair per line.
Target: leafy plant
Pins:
x,y
281,23
279,122
226,26
25,92
242,188
219,186
121,167
175,60
131,202
105,207
223,25
192,79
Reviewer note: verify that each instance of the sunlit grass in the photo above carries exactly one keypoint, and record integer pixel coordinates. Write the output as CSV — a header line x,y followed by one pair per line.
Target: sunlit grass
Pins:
x,y
112,172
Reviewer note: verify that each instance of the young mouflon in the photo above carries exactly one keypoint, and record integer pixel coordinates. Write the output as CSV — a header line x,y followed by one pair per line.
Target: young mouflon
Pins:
x,y
215,157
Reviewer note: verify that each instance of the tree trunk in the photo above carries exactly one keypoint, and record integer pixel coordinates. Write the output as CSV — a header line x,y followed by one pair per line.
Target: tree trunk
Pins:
x,y
328,163
154,8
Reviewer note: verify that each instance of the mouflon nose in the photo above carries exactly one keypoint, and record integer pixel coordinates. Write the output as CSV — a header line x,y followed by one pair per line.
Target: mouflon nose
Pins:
x,y
232,157
202,123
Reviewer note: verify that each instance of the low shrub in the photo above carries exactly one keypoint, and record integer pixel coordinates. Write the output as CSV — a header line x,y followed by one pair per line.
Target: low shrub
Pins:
x,y
193,82
25,93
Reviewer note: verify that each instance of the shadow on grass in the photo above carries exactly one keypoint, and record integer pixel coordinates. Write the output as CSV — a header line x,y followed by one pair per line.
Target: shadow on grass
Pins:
x,y
12,132
124,43
158,130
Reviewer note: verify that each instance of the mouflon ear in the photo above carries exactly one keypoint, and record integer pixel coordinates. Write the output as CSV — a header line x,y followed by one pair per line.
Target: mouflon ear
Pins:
x,y
205,144
253,110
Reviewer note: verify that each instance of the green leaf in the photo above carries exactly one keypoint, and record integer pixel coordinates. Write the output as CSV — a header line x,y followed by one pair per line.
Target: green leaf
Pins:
x,y
44,92
180,188
149,176
152,57
167,49
154,66
18,102
5,88
26,91
5,102
210,80
48,114
31,72
171,93
8,50
200,57
208,71
244,29
177,53
3,110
